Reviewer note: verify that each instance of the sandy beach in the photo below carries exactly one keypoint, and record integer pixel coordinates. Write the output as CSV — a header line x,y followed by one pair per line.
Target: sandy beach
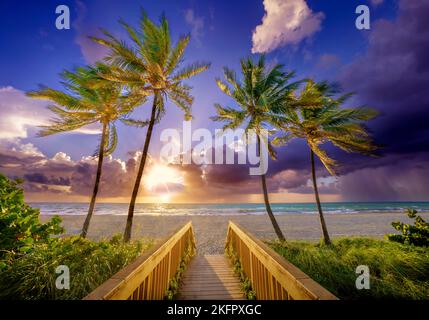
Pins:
x,y
210,231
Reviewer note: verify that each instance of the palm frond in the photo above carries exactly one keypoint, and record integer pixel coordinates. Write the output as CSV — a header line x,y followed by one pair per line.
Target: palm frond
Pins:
x,y
94,100
151,65
318,117
224,87
190,71
111,141
282,140
61,98
135,123
177,54
58,126
328,162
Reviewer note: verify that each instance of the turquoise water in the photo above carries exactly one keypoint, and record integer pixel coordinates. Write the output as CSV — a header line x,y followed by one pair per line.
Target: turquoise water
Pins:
x,y
229,209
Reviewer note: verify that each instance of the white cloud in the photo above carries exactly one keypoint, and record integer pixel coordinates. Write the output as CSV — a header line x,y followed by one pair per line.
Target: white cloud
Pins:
x,y
62,157
18,113
28,149
197,24
285,22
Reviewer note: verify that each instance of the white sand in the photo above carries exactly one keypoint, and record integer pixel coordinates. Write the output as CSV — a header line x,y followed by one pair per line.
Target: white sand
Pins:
x,y
210,231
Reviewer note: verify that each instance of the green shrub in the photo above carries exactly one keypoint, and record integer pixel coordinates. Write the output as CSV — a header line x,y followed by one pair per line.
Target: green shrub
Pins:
x,y
31,275
20,227
29,255
245,283
396,271
417,234
173,288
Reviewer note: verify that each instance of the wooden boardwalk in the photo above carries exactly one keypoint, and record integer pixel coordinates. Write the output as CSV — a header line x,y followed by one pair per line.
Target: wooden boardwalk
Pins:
x,y
210,277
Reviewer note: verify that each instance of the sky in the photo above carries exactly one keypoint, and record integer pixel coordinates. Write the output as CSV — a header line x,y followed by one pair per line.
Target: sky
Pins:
x,y
386,67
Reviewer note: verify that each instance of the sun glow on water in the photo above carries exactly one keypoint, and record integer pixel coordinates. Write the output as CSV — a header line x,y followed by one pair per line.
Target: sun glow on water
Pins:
x,y
165,198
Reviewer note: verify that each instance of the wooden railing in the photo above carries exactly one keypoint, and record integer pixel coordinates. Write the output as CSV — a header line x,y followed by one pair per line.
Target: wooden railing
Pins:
x,y
271,276
148,277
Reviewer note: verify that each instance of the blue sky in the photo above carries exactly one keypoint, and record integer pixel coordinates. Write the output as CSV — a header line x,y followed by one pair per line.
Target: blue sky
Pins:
x,y
328,47
36,47
37,52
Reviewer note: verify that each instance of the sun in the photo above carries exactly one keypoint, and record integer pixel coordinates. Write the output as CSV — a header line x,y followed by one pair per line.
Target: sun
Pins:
x,y
159,177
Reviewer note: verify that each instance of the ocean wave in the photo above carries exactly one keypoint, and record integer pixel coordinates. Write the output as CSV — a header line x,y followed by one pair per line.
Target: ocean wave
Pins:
x,y
72,209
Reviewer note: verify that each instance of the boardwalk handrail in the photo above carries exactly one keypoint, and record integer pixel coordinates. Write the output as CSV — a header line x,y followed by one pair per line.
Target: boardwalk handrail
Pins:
x,y
272,277
148,277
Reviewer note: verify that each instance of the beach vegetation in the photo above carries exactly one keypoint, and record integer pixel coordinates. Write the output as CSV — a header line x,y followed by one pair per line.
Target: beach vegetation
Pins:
x,y
32,275
20,227
150,66
417,234
396,271
317,116
31,252
173,288
246,284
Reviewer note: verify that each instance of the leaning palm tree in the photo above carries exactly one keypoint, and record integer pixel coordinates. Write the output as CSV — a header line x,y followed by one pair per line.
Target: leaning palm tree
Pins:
x,y
260,95
150,66
85,101
318,118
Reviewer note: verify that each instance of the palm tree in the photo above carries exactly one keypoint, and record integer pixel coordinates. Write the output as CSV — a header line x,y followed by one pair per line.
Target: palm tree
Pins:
x,y
150,66
86,101
318,118
260,95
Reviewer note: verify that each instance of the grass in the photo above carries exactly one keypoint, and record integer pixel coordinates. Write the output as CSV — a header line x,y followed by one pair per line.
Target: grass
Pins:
x,y
173,287
397,271
32,275
246,285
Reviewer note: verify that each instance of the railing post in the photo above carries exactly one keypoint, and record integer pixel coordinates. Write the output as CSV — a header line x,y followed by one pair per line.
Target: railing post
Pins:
x,y
169,264
251,266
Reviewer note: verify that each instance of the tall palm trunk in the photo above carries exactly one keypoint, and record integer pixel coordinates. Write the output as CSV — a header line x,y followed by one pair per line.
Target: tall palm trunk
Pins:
x,y
267,201
326,238
97,182
128,227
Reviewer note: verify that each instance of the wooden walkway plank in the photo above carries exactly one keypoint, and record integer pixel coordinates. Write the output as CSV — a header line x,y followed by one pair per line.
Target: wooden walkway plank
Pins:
x,y
210,277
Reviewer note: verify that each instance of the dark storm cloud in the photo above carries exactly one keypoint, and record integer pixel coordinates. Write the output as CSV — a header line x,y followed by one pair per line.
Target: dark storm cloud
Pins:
x,y
289,179
217,179
290,172
405,181
220,179
323,188
40,188
393,76
12,157
41,178
227,173
116,179
60,174
8,159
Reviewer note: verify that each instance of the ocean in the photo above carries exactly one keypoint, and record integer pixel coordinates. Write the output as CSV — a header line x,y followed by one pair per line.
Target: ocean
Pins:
x,y
228,209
